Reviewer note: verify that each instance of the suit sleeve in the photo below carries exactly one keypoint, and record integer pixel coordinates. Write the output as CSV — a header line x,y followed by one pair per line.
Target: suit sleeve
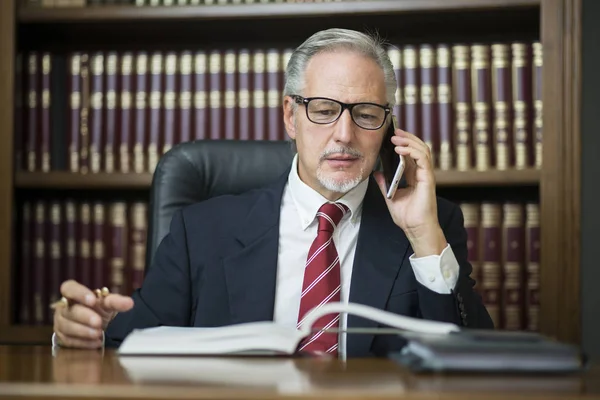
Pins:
x,y
165,295
463,306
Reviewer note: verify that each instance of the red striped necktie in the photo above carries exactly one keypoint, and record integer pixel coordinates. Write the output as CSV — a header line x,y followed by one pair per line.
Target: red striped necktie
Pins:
x,y
322,281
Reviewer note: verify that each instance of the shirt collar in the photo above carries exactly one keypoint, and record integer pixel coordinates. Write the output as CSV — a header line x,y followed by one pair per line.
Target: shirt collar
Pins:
x,y
308,201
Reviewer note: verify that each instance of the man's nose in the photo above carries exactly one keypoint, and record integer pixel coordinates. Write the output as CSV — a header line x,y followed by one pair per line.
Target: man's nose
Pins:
x,y
344,128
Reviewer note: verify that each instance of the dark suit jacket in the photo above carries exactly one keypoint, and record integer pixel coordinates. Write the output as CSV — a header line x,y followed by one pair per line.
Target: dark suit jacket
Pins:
x,y
218,266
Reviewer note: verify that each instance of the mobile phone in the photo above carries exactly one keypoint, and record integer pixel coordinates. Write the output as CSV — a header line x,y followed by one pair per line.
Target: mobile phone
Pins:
x,y
392,164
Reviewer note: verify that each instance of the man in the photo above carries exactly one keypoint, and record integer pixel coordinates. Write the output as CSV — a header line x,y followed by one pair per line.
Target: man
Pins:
x,y
323,232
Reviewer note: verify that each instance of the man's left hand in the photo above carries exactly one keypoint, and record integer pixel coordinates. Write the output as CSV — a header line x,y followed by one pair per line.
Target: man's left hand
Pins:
x,y
414,208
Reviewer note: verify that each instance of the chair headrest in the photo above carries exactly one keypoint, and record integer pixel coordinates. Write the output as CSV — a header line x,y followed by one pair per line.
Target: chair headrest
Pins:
x,y
195,171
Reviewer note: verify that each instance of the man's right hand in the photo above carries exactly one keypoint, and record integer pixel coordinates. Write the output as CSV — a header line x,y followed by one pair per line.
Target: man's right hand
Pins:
x,y
81,324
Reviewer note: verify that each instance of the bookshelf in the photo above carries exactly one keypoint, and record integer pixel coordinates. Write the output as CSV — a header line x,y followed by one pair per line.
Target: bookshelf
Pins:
x,y
556,23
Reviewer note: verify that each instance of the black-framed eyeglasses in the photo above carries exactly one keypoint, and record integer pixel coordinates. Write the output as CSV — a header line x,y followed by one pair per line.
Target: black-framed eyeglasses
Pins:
x,y
322,110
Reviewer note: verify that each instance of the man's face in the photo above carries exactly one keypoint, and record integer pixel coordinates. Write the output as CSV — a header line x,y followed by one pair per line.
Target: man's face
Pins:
x,y
335,157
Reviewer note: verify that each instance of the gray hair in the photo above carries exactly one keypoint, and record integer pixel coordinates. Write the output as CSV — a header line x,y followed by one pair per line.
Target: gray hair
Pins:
x,y
369,45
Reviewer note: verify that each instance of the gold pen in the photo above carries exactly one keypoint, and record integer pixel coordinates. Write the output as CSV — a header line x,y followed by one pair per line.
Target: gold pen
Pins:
x,y
64,302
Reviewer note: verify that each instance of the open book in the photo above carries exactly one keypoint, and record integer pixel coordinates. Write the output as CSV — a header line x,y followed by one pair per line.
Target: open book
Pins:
x,y
261,338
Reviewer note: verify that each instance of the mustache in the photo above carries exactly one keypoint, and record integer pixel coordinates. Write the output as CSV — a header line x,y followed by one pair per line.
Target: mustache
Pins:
x,y
341,150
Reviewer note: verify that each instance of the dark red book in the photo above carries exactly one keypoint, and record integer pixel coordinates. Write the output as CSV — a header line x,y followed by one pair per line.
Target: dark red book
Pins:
x,y
482,115
395,55
411,83
462,106
513,246
532,292
259,100
200,95
428,100
245,114
502,106
444,109
96,110
538,66
32,144
155,127
217,91
110,126
185,96
522,104
45,122
491,261
274,118
141,113
230,96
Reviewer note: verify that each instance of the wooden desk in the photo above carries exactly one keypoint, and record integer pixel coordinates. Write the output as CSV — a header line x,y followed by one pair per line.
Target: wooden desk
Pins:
x,y
30,372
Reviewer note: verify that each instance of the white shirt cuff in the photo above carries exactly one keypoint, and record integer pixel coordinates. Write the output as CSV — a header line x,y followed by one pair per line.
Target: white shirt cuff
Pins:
x,y
437,273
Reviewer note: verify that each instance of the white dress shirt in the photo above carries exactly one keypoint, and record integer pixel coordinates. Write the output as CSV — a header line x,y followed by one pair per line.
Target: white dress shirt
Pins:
x,y
298,228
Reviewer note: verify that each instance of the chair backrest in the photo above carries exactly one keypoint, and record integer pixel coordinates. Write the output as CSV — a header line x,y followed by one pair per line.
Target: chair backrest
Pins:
x,y
195,171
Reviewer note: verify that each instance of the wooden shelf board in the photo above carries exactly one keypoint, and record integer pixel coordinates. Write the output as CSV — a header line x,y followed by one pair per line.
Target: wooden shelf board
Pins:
x,y
276,10
25,334
67,180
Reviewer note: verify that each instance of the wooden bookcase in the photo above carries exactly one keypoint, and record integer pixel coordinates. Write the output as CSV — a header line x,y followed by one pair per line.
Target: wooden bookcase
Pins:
x,y
556,23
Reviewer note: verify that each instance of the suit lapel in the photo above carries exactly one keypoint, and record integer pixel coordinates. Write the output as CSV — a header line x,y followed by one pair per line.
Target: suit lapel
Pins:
x,y
379,253
251,273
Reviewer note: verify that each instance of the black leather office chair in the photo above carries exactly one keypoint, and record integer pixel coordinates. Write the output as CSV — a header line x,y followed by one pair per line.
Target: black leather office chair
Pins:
x,y
195,171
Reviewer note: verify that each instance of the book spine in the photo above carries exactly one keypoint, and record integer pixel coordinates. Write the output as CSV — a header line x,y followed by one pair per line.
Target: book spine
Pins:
x,y
428,100
532,297
491,268
444,97
125,111
40,270
410,59
472,226
170,102
521,75
200,95
141,105
462,106
538,64
245,115
45,113
216,93
19,133
230,88
85,239
118,252
513,248
502,104
32,111
84,139
185,96
71,234
258,94
481,95
56,251
26,267
97,106
395,55
273,95
138,243
112,61
98,256
156,93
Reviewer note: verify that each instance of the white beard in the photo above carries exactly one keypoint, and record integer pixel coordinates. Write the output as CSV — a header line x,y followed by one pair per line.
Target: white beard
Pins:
x,y
337,186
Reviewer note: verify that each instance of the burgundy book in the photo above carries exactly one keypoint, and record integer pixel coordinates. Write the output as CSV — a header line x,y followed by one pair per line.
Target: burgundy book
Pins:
x,y
141,110
84,127
230,95
491,261
287,54
40,265
411,83
45,113
502,104
200,95
428,100
156,92
71,236
395,55
56,251
85,242
137,260
18,115
514,267
25,313
472,226
125,113
462,106
96,110
258,95
274,118
170,103
481,95
245,115
118,247
522,104
538,64
217,112
99,275
185,96
532,292
33,102
444,109
110,126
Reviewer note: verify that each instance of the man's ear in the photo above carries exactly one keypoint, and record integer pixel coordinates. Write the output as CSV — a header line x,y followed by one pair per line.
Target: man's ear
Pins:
x,y
289,116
